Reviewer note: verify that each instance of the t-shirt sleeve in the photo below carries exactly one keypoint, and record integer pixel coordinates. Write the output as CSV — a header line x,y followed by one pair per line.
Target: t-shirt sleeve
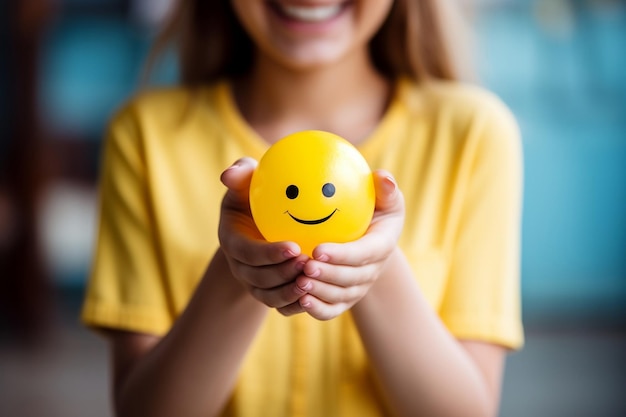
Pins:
x,y
482,299
126,287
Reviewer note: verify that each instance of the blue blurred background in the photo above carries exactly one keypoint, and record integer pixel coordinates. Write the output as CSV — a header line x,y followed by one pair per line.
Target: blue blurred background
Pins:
x,y
559,64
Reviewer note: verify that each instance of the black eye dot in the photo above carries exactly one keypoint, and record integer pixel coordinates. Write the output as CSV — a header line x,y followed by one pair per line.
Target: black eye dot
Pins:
x,y
328,190
292,192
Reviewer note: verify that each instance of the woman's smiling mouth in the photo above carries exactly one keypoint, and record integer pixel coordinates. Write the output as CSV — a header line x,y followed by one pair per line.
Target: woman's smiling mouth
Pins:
x,y
308,13
318,221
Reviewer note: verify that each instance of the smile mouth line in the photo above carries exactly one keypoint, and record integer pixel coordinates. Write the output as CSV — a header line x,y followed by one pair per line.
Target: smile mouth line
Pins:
x,y
311,222
308,13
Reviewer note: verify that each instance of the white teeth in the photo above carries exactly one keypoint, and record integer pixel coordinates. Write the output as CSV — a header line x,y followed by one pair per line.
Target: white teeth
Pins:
x,y
311,13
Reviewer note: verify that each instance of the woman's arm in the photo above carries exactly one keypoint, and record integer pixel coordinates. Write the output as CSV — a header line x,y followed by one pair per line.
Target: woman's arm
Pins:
x,y
191,371
422,368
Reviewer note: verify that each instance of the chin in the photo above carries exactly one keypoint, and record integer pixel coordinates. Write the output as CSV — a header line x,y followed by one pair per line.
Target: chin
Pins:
x,y
311,57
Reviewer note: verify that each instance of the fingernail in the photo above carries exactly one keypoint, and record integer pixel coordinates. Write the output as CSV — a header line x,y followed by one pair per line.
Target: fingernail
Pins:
x,y
322,258
307,286
305,304
389,184
300,266
316,273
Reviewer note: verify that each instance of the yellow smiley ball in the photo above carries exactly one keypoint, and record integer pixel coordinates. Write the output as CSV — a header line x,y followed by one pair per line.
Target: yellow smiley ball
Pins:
x,y
312,187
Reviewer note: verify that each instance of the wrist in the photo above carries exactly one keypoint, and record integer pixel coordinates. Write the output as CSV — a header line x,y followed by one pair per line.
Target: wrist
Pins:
x,y
219,280
391,275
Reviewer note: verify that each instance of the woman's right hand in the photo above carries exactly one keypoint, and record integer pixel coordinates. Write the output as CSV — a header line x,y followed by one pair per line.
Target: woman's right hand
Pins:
x,y
267,270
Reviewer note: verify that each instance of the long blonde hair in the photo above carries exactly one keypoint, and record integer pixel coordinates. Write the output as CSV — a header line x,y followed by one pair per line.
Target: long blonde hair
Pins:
x,y
211,43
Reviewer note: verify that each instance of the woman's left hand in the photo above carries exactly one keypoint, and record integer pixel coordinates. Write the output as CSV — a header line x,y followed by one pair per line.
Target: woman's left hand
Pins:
x,y
341,274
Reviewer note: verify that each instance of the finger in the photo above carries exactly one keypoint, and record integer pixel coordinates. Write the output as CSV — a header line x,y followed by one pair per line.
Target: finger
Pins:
x,y
321,310
335,274
267,277
255,251
278,297
291,309
372,248
237,178
331,293
388,195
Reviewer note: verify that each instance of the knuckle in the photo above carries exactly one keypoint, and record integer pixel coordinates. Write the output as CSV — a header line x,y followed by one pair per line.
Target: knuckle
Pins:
x,y
284,273
263,296
344,295
352,294
257,294
234,249
290,309
326,316
322,314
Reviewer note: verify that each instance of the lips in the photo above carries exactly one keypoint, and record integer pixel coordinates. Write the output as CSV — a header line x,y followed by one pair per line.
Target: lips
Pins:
x,y
312,222
308,13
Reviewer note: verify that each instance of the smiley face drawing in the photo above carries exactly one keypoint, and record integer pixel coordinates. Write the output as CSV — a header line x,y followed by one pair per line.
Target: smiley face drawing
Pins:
x,y
312,187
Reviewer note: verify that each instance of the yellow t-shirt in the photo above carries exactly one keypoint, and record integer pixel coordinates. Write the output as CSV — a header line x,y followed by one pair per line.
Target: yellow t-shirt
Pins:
x,y
455,152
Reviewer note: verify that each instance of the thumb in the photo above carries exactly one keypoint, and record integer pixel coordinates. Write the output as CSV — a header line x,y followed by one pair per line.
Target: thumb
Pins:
x,y
237,177
388,195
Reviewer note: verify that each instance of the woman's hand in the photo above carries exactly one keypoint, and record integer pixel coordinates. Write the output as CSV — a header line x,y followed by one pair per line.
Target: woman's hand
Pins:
x,y
340,275
267,270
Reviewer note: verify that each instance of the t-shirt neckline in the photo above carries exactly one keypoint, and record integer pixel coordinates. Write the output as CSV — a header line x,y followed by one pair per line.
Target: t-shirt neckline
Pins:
x,y
236,123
